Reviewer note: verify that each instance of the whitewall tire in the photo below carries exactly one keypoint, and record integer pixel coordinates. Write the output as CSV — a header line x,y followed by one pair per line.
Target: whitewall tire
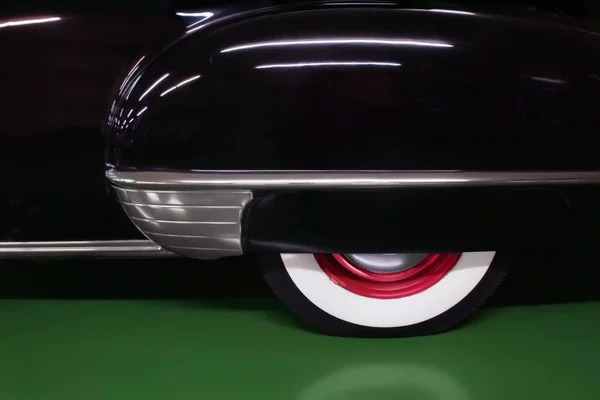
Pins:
x,y
336,303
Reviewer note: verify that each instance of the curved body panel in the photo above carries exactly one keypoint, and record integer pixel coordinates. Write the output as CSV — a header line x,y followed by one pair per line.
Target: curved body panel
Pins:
x,y
334,87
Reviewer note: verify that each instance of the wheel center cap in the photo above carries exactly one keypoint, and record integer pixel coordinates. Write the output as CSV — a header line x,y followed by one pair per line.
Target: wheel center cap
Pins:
x,y
386,262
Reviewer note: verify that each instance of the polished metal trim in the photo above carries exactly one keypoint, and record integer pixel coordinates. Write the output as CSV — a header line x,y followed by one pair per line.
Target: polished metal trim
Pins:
x,y
236,180
193,223
199,213
75,249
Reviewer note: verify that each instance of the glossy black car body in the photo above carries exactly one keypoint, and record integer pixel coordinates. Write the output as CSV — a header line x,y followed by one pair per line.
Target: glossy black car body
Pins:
x,y
382,160
373,87
416,86
326,87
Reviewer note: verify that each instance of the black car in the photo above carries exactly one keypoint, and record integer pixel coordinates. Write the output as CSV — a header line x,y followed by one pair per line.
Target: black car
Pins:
x,y
383,160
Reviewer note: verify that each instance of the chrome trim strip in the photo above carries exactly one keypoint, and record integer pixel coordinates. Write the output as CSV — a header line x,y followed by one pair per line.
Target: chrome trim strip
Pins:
x,y
199,213
192,223
92,249
235,180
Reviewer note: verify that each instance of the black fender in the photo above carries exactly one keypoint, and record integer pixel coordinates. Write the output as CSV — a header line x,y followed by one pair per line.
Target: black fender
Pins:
x,y
374,87
339,86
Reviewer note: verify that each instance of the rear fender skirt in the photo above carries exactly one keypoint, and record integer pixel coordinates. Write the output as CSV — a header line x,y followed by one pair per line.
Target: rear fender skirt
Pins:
x,y
413,220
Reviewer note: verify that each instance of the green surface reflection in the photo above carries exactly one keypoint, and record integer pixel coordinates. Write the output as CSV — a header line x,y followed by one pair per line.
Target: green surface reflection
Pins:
x,y
177,350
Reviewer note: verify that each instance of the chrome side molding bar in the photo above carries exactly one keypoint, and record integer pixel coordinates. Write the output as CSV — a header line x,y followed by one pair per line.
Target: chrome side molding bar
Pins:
x,y
198,214
87,249
236,180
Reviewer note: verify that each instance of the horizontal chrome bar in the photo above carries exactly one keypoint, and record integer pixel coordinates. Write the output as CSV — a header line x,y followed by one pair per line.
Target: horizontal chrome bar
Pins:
x,y
77,249
233,180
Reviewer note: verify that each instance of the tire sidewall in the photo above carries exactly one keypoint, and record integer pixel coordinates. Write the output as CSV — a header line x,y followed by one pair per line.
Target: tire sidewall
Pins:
x,y
280,282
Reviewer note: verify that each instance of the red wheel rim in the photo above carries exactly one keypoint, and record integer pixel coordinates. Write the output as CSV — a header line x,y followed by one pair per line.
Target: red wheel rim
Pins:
x,y
387,285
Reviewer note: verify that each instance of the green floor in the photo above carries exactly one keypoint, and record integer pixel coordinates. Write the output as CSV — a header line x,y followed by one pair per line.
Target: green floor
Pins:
x,y
144,349
182,329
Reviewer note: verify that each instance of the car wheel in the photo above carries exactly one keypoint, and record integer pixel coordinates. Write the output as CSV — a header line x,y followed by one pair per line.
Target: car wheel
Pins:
x,y
384,295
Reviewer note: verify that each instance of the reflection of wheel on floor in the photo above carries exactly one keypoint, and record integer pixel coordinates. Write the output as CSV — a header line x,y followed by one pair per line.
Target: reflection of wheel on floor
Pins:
x,y
384,294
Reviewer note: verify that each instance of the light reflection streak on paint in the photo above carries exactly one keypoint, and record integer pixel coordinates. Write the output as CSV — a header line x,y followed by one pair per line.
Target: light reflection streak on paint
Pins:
x,y
547,80
329,63
141,111
193,78
197,24
203,15
440,10
132,86
370,3
28,21
130,74
155,84
198,14
314,42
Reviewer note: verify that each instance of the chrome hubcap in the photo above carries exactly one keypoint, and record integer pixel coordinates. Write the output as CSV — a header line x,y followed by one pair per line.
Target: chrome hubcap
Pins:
x,y
386,262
